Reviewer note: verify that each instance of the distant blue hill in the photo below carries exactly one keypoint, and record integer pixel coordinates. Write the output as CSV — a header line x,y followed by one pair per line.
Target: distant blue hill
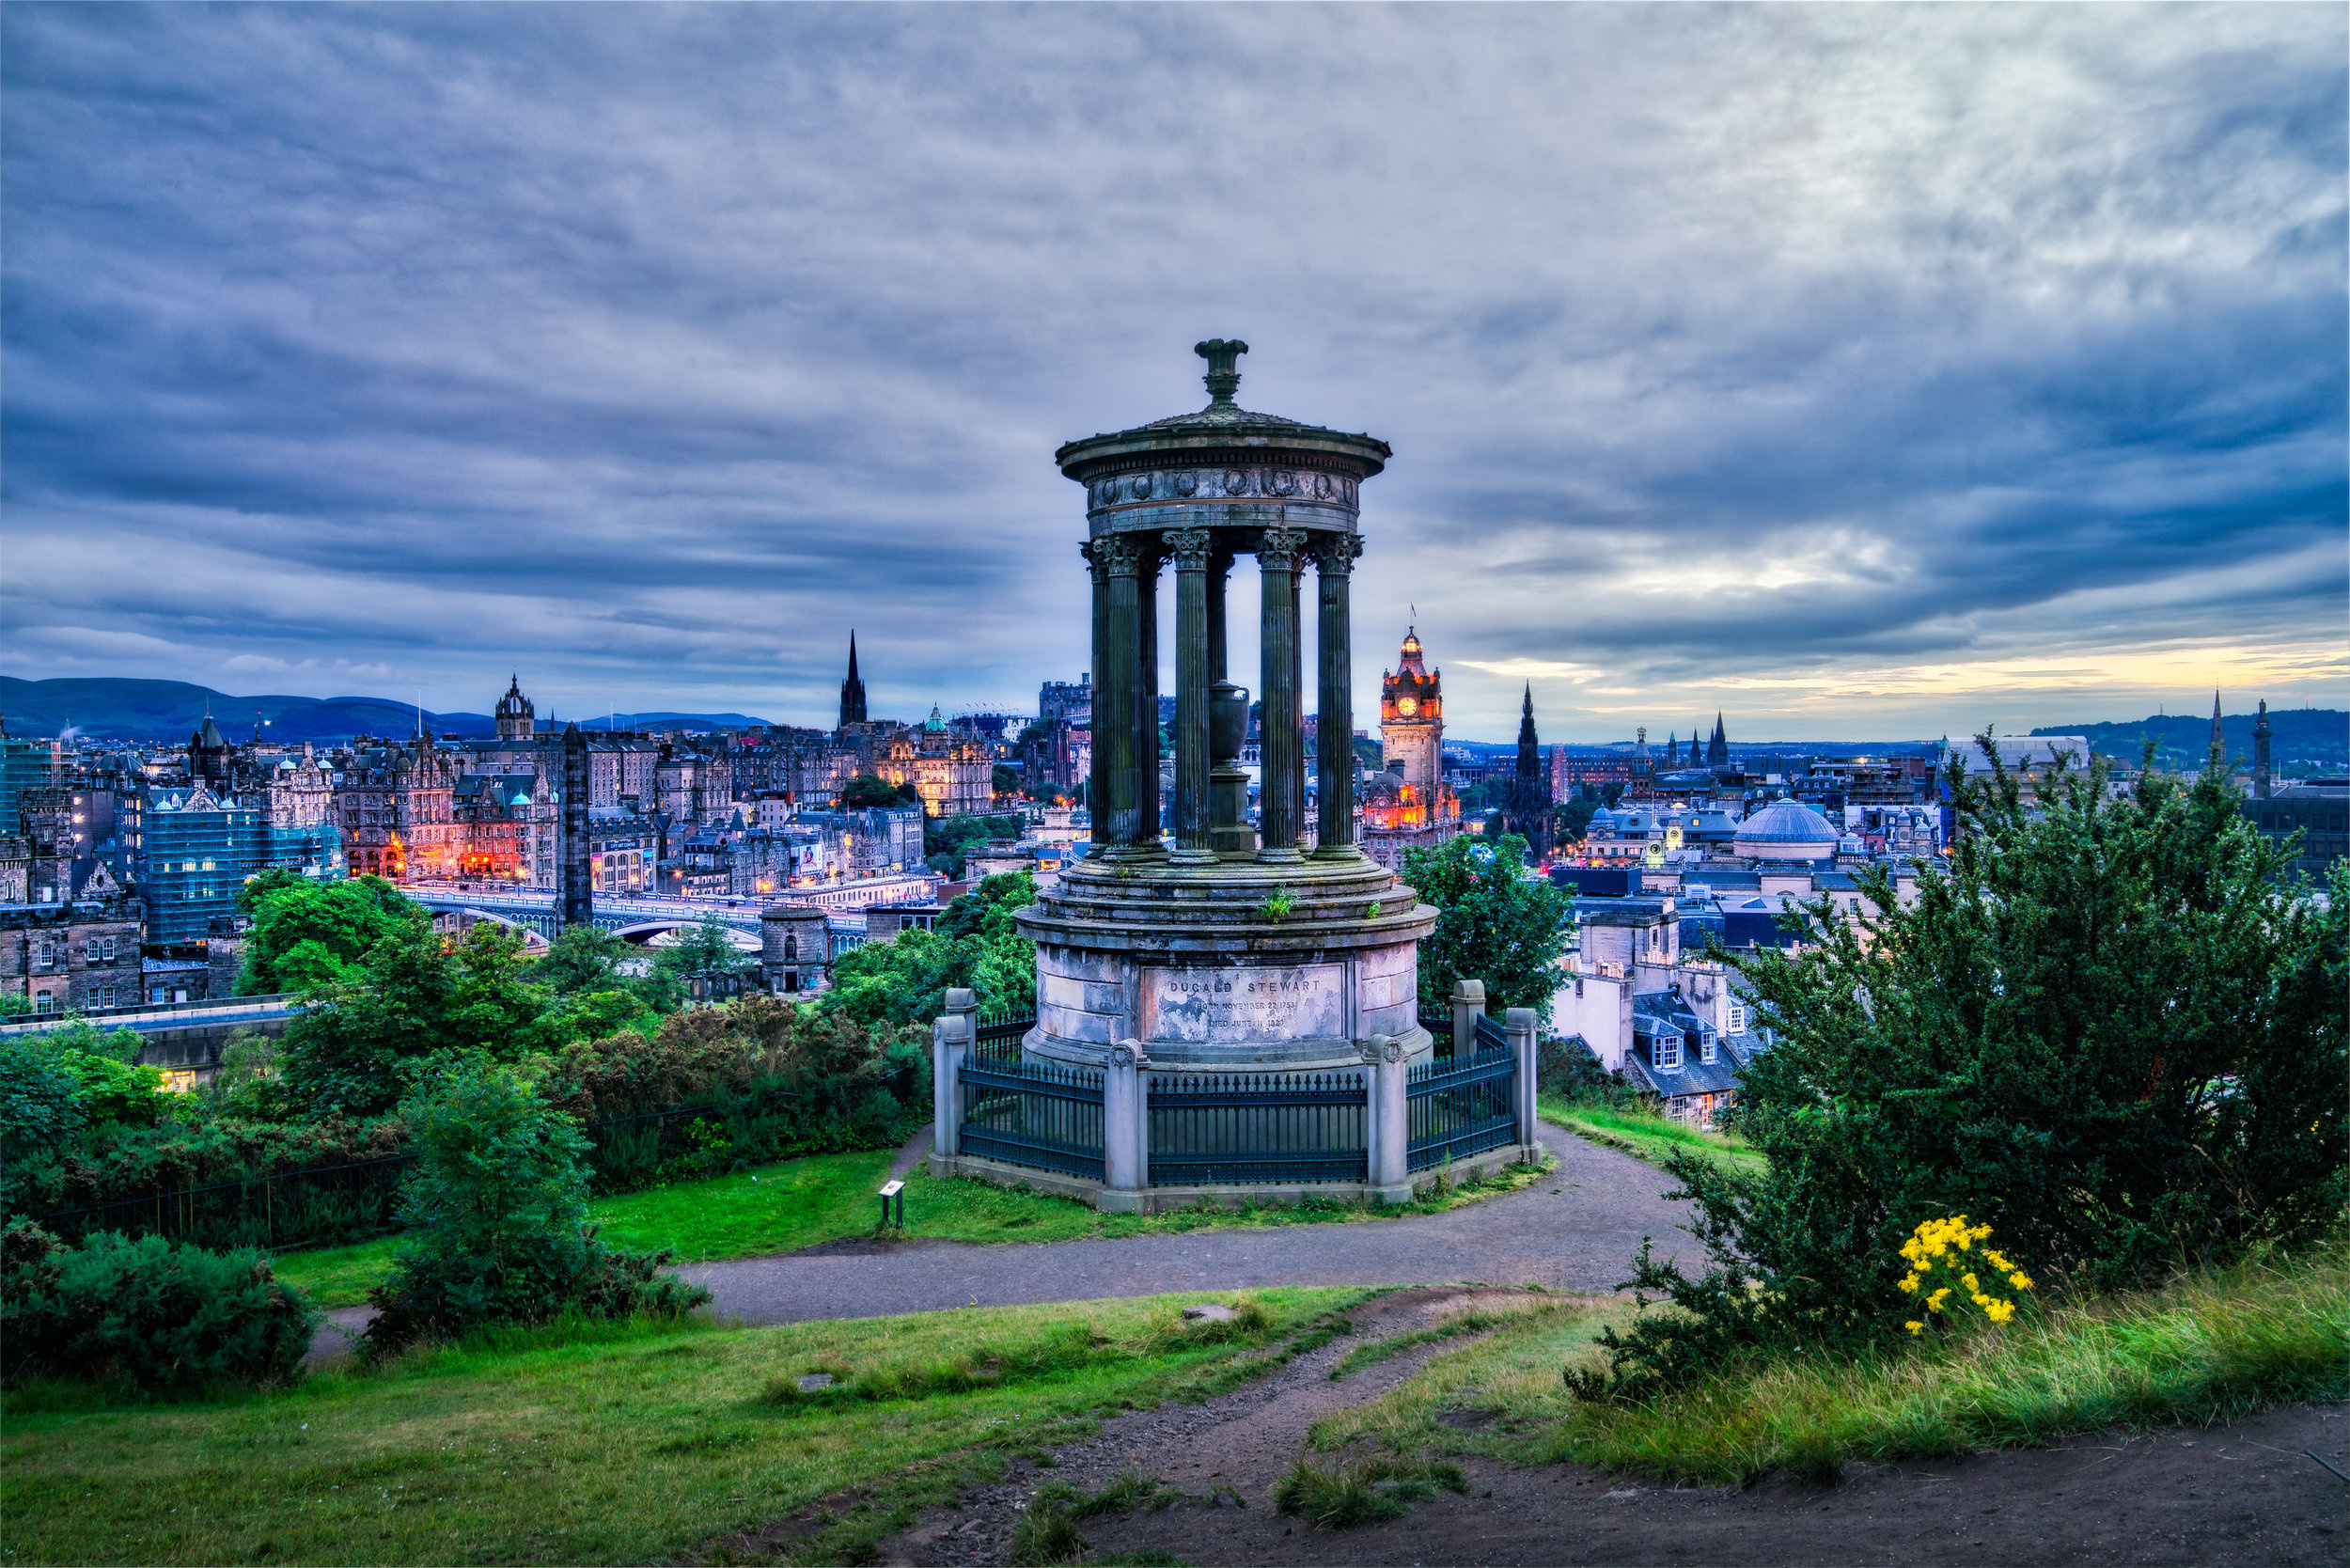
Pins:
x,y
2319,736
162,711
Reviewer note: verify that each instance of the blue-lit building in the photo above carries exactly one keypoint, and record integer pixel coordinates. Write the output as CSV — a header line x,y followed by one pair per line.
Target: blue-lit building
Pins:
x,y
196,850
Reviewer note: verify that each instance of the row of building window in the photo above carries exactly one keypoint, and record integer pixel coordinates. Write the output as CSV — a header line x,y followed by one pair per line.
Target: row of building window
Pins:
x,y
99,995
50,954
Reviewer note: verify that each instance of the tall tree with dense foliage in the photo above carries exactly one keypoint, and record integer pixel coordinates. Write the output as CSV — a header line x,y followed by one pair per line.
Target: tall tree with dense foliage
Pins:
x,y
2108,1029
418,997
975,944
308,933
1494,923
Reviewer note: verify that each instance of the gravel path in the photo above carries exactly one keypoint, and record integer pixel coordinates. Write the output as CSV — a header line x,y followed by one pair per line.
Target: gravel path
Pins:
x,y
1575,1232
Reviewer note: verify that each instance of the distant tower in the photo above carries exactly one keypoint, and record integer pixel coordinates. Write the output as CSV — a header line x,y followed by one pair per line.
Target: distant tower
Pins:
x,y
575,892
2260,762
852,691
1673,750
1411,720
516,717
207,753
1718,749
1529,796
2219,742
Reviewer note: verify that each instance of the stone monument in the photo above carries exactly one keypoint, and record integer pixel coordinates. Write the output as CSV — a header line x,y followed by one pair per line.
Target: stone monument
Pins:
x,y
1223,947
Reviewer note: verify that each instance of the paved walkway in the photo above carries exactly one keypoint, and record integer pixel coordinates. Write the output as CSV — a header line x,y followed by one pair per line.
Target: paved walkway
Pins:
x,y
1579,1237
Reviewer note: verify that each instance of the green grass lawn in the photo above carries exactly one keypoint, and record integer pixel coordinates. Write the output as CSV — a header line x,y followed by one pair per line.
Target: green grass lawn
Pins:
x,y
2209,1348
633,1444
1649,1135
782,1208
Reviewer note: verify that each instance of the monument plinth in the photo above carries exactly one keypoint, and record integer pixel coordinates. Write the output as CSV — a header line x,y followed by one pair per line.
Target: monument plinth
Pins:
x,y
1229,948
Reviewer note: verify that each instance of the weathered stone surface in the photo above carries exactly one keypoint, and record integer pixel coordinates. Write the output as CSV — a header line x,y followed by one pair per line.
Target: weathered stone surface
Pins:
x,y
1210,1312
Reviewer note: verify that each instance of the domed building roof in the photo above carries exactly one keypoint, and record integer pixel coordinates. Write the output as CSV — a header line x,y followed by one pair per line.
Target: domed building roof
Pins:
x,y
1786,830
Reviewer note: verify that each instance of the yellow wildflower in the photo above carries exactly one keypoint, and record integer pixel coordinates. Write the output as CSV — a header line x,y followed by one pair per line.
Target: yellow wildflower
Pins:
x,y
1934,1302
1999,1311
2021,1280
1909,1284
1915,1326
1973,1285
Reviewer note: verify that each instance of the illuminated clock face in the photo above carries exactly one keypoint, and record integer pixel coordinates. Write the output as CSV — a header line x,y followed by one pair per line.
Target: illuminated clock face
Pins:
x,y
1407,706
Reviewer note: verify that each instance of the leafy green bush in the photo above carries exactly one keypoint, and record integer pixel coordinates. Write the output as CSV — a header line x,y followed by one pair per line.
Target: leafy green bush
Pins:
x,y
497,1208
162,1314
2107,1030
1494,923
976,943
307,933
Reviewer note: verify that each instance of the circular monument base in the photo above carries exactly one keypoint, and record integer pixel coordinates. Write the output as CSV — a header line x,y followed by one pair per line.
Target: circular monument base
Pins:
x,y
1234,965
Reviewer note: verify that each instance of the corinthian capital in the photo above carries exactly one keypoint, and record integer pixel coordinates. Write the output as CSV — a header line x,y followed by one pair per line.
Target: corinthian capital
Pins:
x,y
1118,555
1190,548
1335,553
1279,549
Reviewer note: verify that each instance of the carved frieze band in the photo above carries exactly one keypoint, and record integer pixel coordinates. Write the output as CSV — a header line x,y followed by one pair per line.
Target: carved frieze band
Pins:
x,y
1185,484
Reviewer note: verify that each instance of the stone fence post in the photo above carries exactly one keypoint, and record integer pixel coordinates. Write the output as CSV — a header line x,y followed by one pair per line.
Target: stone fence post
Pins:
x,y
1125,1131
1468,1006
1389,1113
1519,1023
951,1039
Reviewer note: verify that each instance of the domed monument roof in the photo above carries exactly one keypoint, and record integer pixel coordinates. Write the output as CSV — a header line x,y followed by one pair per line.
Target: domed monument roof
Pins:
x,y
1786,830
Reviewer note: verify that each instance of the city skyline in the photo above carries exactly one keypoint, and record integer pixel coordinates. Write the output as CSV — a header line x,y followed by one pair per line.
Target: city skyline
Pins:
x,y
1873,372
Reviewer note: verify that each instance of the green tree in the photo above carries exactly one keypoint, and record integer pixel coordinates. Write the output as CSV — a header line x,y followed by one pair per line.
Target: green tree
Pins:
x,y
1494,923
704,956
866,791
947,840
1008,781
976,945
581,958
307,933
418,997
2108,1029
497,1212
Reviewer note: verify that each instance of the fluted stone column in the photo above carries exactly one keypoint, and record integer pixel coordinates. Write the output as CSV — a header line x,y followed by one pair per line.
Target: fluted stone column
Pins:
x,y
1146,709
1117,694
1099,788
1190,549
1334,698
1280,800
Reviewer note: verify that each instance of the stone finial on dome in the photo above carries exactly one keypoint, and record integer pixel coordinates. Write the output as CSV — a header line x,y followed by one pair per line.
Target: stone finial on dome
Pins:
x,y
1223,355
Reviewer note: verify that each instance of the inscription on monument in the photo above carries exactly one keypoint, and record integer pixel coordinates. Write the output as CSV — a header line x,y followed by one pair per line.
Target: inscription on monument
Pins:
x,y
1221,1006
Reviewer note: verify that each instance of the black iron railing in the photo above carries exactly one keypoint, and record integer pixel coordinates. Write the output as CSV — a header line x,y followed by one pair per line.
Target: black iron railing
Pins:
x,y
999,1035
1038,1114
1458,1109
1257,1127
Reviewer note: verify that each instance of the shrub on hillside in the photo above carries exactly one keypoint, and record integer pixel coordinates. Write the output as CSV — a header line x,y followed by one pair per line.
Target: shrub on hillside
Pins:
x,y
497,1210
162,1314
2106,1028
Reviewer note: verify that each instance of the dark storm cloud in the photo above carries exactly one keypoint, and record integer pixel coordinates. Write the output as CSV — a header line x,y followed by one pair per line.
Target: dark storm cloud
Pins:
x,y
1790,356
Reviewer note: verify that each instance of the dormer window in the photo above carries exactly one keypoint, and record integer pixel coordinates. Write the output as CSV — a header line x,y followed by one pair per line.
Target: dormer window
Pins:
x,y
1707,1046
1734,1016
1666,1053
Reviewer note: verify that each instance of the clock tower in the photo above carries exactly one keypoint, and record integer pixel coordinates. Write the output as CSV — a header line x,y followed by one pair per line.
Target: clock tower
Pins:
x,y
1411,721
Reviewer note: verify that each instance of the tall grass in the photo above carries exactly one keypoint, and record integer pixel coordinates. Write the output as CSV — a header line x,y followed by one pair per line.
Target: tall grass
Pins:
x,y
1645,1132
2208,1348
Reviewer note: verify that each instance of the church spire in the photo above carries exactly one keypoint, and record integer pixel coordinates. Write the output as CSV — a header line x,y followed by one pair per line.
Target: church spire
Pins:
x,y
851,690
1718,749
2218,741
1529,751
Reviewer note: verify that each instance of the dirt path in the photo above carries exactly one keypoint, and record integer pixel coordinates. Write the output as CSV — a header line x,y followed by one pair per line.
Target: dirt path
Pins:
x,y
1576,1231
2243,1494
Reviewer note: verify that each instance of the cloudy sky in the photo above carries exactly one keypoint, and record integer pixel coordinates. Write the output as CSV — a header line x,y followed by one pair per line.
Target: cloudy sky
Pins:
x,y
1856,371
